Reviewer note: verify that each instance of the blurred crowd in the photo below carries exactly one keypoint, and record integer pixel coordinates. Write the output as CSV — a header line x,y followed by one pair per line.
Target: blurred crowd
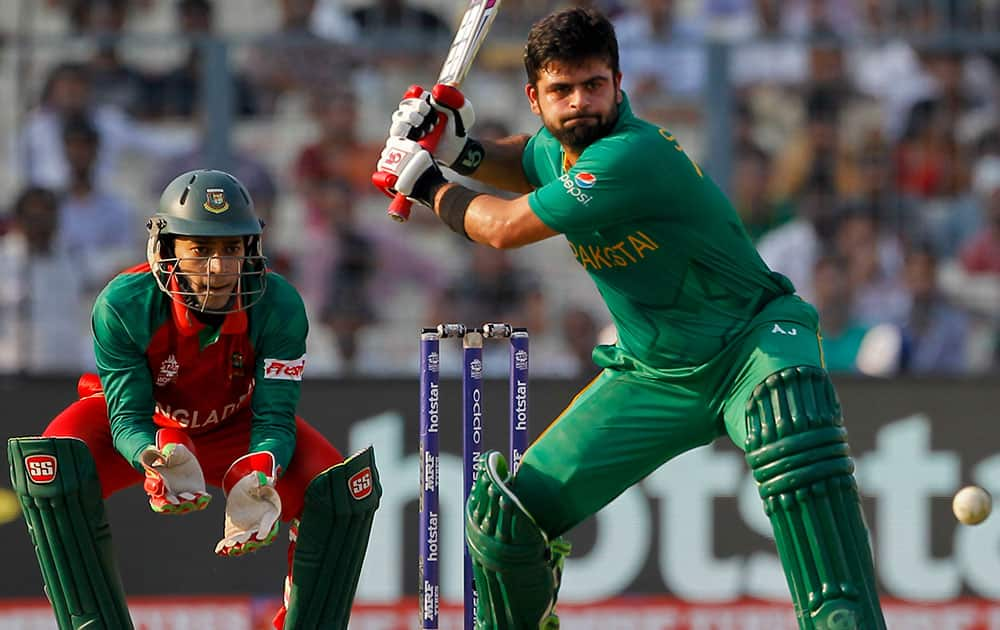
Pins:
x,y
864,162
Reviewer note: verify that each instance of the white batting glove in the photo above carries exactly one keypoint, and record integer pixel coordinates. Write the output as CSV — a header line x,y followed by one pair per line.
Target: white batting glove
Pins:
x,y
174,480
253,506
409,169
417,117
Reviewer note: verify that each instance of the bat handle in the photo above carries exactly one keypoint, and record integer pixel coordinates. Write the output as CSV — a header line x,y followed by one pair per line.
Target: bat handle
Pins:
x,y
399,208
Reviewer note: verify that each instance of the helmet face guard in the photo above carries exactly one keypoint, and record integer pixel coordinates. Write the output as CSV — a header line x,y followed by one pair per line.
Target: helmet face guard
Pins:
x,y
206,204
177,283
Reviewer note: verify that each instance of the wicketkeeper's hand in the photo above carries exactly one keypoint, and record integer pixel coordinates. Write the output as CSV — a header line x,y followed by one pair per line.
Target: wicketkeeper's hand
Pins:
x,y
252,505
174,481
440,120
406,167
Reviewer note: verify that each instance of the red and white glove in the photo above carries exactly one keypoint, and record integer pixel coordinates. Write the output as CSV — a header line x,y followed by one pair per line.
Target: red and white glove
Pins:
x,y
252,504
174,480
407,168
440,120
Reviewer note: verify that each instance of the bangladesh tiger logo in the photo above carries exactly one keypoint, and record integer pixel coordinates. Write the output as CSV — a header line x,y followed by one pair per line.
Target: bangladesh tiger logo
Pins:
x,y
215,200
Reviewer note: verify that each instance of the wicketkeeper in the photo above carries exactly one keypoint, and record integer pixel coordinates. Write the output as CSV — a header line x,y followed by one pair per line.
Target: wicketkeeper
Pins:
x,y
710,341
200,353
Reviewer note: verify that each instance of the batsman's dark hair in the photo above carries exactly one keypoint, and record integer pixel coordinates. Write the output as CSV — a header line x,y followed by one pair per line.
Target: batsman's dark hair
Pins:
x,y
570,35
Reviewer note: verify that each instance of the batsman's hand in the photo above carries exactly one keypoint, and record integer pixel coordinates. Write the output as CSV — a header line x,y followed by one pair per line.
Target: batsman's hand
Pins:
x,y
440,120
252,505
174,481
406,167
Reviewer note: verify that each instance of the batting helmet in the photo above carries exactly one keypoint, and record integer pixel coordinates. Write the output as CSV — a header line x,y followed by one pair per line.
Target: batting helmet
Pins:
x,y
206,203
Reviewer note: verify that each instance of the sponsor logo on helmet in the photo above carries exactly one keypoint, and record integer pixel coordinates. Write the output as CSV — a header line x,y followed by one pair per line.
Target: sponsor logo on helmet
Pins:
x,y
585,180
215,200
360,484
285,369
40,468
168,371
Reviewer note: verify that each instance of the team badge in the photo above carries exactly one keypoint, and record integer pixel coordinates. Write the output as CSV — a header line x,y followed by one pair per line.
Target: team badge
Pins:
x,y
585,180
215,200
168,371
236,366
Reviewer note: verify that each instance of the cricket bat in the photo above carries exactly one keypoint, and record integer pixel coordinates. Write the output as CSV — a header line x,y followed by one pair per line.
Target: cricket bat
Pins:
x,y
476,23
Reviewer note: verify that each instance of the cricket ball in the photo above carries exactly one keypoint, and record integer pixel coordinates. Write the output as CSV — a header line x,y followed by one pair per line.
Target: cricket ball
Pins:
x,y
972,505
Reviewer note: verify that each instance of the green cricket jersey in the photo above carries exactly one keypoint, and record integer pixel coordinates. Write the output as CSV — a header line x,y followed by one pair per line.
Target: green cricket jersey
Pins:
x,y
666,249
160,366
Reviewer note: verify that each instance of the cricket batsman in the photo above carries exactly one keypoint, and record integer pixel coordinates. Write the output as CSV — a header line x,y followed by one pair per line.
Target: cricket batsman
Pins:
x,y
710,341
200,353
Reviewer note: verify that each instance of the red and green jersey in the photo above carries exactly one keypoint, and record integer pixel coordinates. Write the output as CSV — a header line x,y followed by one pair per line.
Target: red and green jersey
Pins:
x,y
664,246
160,366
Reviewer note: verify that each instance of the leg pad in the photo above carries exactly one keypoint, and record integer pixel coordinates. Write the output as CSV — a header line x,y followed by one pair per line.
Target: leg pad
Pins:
x,y
797,448
333,532
516,568
60,494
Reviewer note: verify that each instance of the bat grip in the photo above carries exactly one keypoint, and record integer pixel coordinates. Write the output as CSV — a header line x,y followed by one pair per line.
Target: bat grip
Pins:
x,y
399,207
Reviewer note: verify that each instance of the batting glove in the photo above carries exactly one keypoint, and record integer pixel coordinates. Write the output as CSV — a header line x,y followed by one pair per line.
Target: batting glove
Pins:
x,y
406,167
419,116
174,480
252,505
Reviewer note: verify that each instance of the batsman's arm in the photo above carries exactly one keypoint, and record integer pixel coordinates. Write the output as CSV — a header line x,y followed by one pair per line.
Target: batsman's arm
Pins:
x,y
501,167
497,222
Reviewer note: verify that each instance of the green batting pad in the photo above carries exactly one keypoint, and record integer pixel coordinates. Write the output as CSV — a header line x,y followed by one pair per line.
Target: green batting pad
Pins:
x,y
56,482
336,522
797,448
516,569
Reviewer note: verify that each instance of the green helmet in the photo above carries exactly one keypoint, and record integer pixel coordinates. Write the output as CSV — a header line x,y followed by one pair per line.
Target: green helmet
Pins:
x,y
206,203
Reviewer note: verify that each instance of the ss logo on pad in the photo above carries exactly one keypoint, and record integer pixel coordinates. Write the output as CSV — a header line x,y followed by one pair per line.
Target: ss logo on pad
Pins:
x,y
40,468
360,483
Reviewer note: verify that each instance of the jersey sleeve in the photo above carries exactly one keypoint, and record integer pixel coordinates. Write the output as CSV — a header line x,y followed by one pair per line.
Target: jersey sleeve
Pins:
x,y
280,360
127,382
529,161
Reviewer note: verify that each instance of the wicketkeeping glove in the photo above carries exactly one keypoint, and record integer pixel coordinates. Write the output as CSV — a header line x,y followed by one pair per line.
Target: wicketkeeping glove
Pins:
x,y
440,120
252,505
174,480
406,167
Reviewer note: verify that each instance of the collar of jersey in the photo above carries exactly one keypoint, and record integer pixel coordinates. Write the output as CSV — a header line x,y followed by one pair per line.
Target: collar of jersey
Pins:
x,y
187,324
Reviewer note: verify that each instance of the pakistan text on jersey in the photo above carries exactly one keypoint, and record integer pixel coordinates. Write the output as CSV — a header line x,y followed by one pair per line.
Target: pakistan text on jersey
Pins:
x,y
622,254
198,418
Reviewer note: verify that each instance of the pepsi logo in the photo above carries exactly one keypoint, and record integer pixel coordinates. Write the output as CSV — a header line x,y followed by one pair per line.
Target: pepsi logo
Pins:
x,y
585,180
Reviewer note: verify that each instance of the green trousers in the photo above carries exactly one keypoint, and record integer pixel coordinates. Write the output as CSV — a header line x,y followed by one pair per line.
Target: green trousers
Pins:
x,y
633,418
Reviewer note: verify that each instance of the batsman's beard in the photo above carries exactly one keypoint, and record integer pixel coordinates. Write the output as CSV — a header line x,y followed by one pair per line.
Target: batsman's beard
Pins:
x,y
581,135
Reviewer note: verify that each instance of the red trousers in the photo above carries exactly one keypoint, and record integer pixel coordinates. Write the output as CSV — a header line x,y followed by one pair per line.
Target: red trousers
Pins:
x,y
87,419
